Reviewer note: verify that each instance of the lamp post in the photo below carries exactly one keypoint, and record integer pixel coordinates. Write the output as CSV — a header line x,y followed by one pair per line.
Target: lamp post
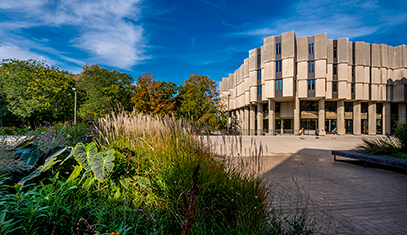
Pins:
x,y
74,110
228,117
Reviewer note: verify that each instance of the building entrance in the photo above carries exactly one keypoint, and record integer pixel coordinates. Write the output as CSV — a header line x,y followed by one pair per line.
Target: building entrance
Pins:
x,y
349,126
330,124
288,126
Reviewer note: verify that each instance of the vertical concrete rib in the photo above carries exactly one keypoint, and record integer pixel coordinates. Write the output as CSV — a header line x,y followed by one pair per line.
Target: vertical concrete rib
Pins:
x,y
252,120
272,117
321,116
357,120
341,117
260,118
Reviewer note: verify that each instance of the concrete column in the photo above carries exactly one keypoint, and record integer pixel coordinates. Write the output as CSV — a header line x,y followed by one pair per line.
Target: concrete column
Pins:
x,y
386,118
252,120
246,121
260,118
272,117
357,120
402,112
340,120
282,126
296,114
240,120
321,116
371,117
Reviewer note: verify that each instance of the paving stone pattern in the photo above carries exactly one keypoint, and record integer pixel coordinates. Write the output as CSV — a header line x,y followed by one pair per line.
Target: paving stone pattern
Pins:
x,y
345,197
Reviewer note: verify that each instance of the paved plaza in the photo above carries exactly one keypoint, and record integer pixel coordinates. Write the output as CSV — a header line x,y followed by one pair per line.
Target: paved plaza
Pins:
x,y
343,197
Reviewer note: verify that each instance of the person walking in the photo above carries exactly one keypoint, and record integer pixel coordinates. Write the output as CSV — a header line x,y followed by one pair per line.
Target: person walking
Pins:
x,y
302,133
316,133
334,132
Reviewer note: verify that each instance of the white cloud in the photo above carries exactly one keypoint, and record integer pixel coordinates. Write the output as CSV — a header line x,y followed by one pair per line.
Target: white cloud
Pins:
x,y
9,51
106,29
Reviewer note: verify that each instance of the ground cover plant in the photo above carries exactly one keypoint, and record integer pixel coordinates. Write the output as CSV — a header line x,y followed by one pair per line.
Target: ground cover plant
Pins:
x,y
395,146
139,175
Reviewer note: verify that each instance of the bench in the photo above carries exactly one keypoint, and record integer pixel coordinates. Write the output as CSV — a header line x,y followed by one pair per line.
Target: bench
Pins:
x,y
376,159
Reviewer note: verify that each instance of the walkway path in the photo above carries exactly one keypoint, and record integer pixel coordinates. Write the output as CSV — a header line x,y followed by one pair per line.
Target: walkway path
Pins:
x,y
345,196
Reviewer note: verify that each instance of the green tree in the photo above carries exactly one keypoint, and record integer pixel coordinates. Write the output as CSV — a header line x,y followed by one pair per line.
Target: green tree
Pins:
x,y
35,91
105,91
200,102
154,97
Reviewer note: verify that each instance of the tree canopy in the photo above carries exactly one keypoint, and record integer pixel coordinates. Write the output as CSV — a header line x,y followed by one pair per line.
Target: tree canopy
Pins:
x,y
35,91
154,97
200,102
105,91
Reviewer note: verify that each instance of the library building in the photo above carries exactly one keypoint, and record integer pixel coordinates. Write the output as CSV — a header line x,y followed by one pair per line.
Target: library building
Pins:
x,y
312,82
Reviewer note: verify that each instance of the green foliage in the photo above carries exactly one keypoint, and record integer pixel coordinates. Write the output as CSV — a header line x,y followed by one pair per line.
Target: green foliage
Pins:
x,y
201,103
88,157
401,134
105,91
395,146
35,91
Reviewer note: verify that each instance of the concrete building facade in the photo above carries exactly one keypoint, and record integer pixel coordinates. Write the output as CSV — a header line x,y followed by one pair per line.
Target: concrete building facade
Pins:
x,y
315,82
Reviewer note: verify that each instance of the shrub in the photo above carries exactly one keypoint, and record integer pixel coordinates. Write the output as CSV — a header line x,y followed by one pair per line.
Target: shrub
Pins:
x,y
395,146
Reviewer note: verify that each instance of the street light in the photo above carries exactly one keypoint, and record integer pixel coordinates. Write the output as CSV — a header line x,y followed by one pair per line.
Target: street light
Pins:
x,y
74,110
228,117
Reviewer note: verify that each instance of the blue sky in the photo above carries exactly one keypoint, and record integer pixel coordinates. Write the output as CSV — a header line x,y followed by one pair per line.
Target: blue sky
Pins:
x,y
177,38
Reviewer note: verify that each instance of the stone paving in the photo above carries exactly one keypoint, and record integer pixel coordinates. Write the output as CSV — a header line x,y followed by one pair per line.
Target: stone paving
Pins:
x,y
344,197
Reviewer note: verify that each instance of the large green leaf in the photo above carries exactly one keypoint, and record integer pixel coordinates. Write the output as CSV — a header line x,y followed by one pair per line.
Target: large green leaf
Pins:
x,y
137,181
49,162
84,154
30,156
75,173
102,164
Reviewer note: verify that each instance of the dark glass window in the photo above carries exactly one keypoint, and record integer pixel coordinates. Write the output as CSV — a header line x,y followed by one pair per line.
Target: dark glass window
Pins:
x,y
311,48
353,71
259,90
309,124
278,66
258,74
258,58
311,66
379,108
335,70
308,105
353,88
335,52
311,84
348,107
278,48
364,107
330,106
277,107
334,86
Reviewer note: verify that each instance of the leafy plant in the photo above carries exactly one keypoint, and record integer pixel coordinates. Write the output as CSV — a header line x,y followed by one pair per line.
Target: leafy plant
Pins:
x,y
100,163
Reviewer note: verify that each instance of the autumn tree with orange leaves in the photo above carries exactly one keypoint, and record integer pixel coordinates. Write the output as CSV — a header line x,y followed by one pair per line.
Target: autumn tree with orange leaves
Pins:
x,y
154,97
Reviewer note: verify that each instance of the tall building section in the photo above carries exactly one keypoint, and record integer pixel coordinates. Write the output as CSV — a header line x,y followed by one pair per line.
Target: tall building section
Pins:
x,y
313,82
